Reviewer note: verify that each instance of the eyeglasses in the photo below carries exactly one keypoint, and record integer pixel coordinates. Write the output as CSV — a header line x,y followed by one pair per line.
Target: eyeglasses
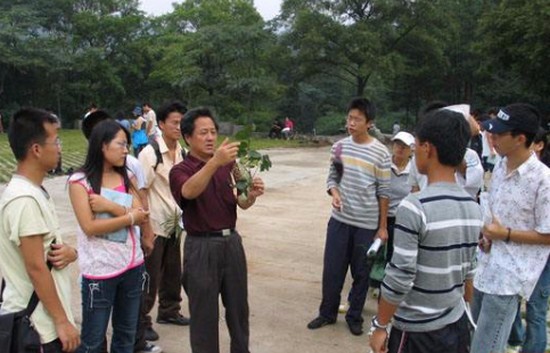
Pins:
x,y
57,143
123,145
354,119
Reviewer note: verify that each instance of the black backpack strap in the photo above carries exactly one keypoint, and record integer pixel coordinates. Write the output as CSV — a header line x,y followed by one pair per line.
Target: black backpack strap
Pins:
x,y
156,148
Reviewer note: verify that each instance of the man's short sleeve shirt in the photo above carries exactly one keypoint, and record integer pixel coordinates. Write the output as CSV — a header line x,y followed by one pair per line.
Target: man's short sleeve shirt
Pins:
x,y
519,200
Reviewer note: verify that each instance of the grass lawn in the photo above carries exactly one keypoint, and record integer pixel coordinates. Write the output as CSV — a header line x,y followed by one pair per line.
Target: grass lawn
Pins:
x,y
74,150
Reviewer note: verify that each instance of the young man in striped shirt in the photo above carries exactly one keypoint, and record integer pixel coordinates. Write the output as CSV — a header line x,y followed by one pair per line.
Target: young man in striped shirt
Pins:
x,y
358,182
436,234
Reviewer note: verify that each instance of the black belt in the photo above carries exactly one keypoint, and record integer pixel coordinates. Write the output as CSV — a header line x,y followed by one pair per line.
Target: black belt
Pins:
x,y
219,233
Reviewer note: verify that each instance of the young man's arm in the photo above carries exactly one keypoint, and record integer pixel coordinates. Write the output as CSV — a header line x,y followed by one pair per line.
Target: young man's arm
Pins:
x,y
401,272
42,281
541,232
334,176
383,176
383,207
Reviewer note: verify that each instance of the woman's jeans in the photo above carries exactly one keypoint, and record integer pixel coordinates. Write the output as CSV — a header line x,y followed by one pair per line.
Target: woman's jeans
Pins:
x,y
533,338
120,295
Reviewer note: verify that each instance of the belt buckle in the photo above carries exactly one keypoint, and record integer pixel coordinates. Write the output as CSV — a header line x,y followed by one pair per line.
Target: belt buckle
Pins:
x,y
226,232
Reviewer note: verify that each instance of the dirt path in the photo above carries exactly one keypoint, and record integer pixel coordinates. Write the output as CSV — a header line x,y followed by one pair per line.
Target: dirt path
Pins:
x,y
284,236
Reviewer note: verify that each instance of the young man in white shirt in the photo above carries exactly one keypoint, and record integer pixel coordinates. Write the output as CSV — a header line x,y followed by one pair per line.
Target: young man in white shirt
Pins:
x,y
517,224
30,234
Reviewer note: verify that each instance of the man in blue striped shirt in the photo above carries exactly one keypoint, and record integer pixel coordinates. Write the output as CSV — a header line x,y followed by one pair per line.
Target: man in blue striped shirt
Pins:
x,y
358,182
436,234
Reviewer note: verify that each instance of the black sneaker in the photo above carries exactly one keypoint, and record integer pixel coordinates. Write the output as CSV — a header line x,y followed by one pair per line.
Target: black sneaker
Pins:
x,y
356,328
319,322
179,320
151,335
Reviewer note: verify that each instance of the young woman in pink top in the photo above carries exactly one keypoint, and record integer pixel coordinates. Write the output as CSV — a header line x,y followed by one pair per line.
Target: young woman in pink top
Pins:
x,y
108,210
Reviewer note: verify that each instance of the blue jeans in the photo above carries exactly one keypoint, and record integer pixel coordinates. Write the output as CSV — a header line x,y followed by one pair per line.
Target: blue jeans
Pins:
x,y
494,315
533,338
120,295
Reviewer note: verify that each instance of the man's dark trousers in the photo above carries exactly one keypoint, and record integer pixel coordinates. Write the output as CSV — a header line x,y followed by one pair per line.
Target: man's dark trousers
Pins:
x,y
453,338
164,269
345,246
214,266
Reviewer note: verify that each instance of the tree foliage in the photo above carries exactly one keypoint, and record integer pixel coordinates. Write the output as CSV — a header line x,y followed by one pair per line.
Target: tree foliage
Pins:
x,y
305,64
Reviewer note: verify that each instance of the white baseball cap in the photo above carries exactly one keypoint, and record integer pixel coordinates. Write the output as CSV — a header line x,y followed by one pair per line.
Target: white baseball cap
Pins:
x,y
405,137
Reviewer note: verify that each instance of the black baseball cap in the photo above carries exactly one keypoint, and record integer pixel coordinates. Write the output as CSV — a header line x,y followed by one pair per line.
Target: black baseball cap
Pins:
x,y
518,116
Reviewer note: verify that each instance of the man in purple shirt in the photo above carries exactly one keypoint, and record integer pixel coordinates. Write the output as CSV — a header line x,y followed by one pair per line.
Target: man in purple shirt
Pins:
x,y
214,259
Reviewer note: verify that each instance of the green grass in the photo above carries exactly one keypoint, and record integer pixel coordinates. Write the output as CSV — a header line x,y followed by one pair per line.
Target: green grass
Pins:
x,y
74,150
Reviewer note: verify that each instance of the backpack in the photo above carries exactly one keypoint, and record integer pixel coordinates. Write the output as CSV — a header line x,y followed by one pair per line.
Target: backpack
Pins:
x,y
156,148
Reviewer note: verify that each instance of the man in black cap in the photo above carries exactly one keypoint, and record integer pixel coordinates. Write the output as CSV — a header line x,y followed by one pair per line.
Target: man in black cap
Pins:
x,y
517,227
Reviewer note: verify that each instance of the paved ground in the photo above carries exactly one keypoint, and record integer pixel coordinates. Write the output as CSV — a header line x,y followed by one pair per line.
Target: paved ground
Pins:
x,y
284,239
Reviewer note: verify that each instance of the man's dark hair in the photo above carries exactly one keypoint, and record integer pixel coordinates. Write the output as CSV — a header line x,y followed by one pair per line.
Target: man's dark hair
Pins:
x,y
27,128
432,106
92,120
529,136
364,106
448,131
170,107
188,122
493,111
476,113
146,104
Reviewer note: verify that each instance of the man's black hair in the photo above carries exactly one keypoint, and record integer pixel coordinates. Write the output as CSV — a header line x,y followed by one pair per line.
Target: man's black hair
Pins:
x,y
27,128
170,107
188,122
433,106
448,132
364,106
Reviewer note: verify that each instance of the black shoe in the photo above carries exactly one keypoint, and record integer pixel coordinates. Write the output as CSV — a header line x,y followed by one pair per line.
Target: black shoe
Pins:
x,y
179,320
319,322
151,335
356,328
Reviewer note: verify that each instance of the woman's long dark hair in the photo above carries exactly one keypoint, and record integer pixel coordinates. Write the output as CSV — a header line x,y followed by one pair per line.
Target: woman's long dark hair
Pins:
x,y
542,136
103,133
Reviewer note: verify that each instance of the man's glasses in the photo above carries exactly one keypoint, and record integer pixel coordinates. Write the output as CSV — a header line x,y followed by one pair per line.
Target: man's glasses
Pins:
x,y
57,143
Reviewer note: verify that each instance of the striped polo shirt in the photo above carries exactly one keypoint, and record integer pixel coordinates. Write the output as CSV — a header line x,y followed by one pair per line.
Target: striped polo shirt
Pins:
x,y
362,174
436,234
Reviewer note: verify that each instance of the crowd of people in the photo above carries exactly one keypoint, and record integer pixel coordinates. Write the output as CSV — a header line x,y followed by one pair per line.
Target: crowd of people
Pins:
x,y
459,253
131,213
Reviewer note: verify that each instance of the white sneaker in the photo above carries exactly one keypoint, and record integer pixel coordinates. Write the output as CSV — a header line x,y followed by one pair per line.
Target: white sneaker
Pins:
x,y
343,308
513,349
151,348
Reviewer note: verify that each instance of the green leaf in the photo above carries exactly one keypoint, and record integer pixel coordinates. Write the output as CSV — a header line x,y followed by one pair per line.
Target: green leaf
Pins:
x,y
252,154
243,149
243,186
244,134
266,163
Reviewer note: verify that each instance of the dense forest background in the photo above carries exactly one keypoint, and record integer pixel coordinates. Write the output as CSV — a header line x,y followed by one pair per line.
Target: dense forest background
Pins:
x,y
306,63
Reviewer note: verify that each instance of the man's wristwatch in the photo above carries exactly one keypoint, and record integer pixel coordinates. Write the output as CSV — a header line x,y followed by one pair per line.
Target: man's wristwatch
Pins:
x,y
375,325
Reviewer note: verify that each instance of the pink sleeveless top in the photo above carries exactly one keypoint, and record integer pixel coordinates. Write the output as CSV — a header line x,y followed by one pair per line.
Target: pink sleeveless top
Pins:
x,y
103,259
